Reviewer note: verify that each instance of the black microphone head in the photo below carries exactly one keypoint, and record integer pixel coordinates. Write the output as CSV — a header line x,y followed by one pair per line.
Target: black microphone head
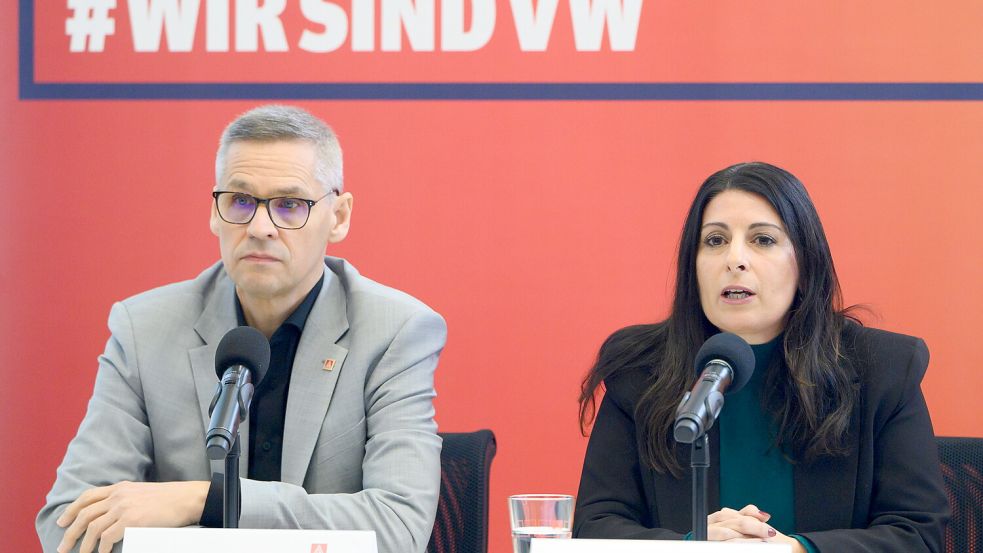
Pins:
x,y
244,346
732,349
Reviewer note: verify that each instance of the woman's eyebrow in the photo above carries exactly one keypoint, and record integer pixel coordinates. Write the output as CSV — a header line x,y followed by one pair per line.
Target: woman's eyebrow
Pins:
x,y
750,227
715,224
773,225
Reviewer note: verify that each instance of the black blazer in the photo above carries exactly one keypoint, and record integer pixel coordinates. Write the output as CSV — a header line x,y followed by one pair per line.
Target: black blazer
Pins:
x,y
885,495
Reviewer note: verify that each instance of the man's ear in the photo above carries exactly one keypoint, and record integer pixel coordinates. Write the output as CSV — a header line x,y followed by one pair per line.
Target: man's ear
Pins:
x,y
342,208
213,221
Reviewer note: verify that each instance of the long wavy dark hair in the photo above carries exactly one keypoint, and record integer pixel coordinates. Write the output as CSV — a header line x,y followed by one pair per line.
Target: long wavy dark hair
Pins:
x,y
811,395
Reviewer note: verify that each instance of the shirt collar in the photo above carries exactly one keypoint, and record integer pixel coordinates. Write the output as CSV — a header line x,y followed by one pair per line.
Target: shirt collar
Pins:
x,y
763,354
298,318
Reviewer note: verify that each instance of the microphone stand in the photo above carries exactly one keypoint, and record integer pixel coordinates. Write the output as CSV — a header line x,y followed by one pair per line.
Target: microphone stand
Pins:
x,y
230,492
230,489
700,463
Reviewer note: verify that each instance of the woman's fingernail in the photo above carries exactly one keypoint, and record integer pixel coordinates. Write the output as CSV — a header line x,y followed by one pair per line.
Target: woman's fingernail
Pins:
x,y
760,512
772,533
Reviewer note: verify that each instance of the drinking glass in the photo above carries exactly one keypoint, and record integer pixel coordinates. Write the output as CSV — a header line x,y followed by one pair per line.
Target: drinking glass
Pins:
x,y
539,516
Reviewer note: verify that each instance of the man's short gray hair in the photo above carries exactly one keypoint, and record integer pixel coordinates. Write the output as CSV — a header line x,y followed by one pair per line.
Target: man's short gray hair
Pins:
x,y
272,123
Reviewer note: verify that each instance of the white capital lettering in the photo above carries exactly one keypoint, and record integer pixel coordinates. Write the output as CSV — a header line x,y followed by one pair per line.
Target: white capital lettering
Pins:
x,y
253,20
416,17
217,25
363,25
533,25
453,36
589,17
335,23
175,18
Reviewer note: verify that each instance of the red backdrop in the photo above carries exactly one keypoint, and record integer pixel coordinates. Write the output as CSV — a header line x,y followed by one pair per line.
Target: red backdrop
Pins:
x,y
536,228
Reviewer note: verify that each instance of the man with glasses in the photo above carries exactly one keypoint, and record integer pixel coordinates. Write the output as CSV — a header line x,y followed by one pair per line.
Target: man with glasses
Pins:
x,y
340,433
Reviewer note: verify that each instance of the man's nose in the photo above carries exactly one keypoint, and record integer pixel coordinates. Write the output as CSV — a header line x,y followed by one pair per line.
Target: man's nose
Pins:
x,y
262,226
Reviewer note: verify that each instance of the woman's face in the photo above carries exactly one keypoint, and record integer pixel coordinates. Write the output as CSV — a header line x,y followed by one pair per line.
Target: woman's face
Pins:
x,y
745,266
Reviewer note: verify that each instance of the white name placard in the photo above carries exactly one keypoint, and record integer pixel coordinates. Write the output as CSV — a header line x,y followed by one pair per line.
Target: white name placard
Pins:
x,y
643,546
243,540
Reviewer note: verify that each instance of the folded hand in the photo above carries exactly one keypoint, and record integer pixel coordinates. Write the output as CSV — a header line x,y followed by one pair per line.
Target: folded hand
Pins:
x,y
747,525
101,514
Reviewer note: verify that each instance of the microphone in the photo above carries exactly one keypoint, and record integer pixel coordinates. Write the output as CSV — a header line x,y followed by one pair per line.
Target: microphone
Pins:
x,y
727,363
243,351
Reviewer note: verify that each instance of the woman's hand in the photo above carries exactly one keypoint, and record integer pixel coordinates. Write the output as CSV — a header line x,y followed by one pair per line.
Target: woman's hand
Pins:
x,y
747,525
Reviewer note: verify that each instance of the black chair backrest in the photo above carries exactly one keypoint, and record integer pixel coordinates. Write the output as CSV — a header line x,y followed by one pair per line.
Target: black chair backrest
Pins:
x,y
962,469
462,511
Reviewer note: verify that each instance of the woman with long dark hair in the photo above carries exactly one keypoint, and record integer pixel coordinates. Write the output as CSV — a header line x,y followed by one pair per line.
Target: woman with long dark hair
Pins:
x,y
829,447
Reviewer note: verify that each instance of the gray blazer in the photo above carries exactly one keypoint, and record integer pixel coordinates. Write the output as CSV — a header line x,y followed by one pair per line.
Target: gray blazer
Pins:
x,y
360,449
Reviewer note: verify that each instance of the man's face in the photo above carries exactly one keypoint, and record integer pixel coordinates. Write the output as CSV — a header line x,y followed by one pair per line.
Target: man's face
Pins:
x,y
268,263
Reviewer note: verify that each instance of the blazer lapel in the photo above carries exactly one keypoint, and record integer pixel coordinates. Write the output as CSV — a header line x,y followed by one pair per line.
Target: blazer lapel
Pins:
x,y
215,320
318,362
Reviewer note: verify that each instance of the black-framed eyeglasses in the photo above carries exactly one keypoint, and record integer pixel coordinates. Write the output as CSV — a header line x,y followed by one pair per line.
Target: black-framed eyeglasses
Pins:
x,y
288,213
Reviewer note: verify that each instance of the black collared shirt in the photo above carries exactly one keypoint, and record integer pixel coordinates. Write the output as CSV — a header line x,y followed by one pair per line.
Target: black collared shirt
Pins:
x,y
268,409
269,405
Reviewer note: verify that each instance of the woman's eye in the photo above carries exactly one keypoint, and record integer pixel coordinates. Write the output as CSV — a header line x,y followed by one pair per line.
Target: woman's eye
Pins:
x,y
764,240
714,240
289,203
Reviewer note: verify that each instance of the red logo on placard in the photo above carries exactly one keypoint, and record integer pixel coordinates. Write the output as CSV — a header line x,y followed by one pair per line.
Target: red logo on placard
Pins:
x,y
319,548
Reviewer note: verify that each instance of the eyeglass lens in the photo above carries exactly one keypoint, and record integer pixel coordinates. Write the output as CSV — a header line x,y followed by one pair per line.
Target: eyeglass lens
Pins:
x,y
285,212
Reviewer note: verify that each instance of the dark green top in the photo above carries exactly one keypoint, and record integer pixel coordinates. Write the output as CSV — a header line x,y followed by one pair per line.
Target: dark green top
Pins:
x,y
752,469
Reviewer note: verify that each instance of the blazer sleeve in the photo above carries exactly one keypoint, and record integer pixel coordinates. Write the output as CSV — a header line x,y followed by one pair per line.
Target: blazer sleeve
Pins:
x,y
611,502
115,422
908,507
401,466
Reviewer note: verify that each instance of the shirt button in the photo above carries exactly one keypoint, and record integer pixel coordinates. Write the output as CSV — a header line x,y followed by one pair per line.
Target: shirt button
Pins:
x,y
267,446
